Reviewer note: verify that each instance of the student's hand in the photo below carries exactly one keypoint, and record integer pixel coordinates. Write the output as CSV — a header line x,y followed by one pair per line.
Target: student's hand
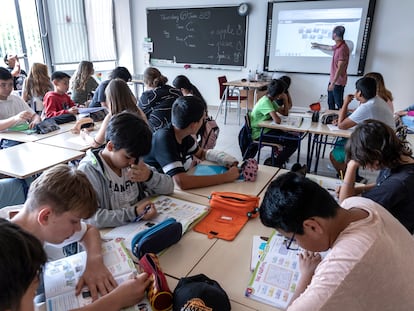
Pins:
x,y
23,116
35,120
232,174
308,261
348,99
73,110
139,172
97,278
130,292
151,213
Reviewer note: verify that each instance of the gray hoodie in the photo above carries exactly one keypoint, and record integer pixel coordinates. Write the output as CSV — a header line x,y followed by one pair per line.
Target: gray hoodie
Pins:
x,y
108,213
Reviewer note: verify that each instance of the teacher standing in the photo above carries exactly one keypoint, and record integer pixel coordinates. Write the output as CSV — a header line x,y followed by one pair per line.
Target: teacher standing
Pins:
x,y
338,75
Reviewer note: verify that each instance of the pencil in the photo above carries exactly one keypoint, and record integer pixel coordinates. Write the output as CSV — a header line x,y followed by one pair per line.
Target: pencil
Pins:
x,y
341,174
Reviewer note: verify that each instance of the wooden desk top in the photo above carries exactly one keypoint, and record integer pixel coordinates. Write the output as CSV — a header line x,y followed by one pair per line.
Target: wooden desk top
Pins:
x,y
249,84
69,140
228,262
264,176
285,126
323,129
30,158
23,137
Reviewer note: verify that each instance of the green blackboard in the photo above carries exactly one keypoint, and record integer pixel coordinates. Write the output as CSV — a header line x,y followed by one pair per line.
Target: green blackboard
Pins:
x,y
203,36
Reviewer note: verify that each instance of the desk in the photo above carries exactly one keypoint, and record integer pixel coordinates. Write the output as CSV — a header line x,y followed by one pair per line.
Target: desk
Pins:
x,y
23,137
316,132
286,127
264,176
69,140
255,85
30,158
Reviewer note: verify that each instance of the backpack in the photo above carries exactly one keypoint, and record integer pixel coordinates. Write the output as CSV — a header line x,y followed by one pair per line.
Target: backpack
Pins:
x,y
209,134
247,147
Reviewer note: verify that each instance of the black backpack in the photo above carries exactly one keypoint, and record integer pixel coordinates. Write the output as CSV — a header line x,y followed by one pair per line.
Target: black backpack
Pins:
x,y
247,147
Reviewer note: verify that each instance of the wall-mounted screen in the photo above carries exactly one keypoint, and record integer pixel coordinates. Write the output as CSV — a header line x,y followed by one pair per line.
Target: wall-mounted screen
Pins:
x,y
293,25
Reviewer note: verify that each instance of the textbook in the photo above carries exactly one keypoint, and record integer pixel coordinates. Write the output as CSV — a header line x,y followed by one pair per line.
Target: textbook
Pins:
x,y
61,276
187,213
258,246
294,121
276,275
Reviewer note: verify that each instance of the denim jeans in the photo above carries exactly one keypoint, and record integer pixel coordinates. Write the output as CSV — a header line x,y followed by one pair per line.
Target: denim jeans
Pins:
x,y
336,97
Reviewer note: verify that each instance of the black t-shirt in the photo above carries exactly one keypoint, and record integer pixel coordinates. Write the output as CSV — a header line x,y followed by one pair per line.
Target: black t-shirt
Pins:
x,y
99,95
19,80
167,155
395,192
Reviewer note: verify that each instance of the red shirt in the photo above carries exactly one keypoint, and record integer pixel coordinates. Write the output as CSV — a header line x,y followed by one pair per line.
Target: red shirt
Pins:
x,y
340,53
56,104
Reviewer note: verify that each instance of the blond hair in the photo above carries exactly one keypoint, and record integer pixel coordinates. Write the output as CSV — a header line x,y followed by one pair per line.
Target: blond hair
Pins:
x,y
37,83
382,91
65,189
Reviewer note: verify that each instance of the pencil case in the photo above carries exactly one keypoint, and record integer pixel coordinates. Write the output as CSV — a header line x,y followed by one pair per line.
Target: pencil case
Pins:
x,y
229,212
157,238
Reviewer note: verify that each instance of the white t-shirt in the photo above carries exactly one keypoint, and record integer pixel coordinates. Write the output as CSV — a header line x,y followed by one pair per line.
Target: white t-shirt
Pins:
x,y
375,108
12,106
370,266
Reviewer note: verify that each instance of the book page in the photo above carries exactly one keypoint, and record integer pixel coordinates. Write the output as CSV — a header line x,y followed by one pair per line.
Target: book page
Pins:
x,y
184,212
258,246
61,276
276,276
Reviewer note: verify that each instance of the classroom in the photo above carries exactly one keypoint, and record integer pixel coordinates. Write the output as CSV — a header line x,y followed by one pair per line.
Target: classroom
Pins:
x,y
253,255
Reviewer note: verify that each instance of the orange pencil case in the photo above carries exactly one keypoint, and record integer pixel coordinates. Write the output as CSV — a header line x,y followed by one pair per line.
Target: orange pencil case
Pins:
x,y
229,212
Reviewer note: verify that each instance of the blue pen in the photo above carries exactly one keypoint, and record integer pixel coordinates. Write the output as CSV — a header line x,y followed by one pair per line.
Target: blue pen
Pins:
x,y
140,216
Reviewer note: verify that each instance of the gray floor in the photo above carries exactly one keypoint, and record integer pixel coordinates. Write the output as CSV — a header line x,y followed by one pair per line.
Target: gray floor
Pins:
x,y
228,142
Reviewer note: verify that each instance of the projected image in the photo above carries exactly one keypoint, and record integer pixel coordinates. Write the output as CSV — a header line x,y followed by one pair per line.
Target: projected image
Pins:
x,y
299,28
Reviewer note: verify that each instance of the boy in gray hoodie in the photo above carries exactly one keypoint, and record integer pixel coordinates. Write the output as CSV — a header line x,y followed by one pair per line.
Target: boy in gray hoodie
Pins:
x,y
120,177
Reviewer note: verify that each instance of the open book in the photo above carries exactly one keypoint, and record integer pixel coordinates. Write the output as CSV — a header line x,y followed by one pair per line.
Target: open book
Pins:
x,y
276,275
187,213
294,121
61,276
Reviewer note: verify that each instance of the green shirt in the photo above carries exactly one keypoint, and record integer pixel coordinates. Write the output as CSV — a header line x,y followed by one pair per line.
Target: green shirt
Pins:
x,y
261,112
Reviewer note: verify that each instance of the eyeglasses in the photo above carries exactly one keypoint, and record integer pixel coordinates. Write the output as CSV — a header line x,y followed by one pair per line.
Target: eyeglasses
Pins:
x,y
6,84
289,243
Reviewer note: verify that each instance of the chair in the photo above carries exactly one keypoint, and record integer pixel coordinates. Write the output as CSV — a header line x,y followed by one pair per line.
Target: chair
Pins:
x,y
227,94
254,146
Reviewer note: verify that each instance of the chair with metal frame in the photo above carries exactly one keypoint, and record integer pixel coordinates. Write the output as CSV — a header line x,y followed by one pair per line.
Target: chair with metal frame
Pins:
x,y
229,94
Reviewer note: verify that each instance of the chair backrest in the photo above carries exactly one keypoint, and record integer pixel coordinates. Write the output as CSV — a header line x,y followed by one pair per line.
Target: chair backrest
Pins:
x,y
221,80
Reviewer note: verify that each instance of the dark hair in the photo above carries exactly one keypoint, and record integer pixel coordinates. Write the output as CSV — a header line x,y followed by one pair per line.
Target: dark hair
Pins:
x,y
128,131
339,31
59,75
186,110
276,87
182,82
287,81
5,74
6,59
367,86
291,199
21,259
373,141
121,73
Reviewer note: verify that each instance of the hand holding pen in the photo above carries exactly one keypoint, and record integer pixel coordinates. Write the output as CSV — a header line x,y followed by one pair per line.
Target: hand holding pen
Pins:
x,y
145,211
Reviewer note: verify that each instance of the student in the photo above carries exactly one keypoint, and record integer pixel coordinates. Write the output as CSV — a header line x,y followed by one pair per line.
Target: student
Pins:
x,y
370,107
82,82
36,85
118,174
119,98
374,145
58,103
13,110
268,108
99,98
21,261
174,145
382,91
18,74
369,265
55,205
156,101
182,83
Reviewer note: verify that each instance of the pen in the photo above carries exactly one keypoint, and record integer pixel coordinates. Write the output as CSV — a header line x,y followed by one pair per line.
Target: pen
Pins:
x,y
140,216
341,174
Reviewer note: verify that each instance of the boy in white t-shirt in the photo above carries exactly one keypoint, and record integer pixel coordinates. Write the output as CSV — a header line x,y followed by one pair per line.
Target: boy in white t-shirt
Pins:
x,y
369,265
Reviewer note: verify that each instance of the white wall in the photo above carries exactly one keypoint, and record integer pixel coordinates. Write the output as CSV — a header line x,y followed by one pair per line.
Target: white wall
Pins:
x,y
391,50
